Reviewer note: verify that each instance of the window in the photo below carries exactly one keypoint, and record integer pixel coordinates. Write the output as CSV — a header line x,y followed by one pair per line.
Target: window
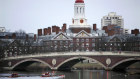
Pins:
x,y
93,40
77,9
115,44
61,42
124,44
87,40
55,42
82,44
93,44
77,44
106,17
80,10
77,40
118,44
71,45
10,53
82,40
87,45
66,43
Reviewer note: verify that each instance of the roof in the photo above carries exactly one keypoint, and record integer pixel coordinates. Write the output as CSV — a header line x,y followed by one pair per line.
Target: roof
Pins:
x,y
79,1
82,33
61,36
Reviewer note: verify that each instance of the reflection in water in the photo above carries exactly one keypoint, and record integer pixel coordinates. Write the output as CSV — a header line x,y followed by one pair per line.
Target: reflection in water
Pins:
x,y
76,74
79,75
107,75
90,75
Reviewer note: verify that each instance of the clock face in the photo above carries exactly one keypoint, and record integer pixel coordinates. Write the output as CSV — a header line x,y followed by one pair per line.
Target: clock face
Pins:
x,y
81,21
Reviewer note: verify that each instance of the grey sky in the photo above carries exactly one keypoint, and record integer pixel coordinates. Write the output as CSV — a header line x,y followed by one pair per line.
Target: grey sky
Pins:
x,y
31,15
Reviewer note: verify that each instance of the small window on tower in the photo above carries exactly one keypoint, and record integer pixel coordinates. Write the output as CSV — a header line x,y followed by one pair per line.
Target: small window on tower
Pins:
x,y
80,10
77,9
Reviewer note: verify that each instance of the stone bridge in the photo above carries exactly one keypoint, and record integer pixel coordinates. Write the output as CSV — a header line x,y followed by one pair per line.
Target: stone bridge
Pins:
x,y
65,60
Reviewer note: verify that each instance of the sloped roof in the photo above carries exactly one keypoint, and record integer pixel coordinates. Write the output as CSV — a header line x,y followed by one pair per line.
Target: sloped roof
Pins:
x,y
61,36
82,33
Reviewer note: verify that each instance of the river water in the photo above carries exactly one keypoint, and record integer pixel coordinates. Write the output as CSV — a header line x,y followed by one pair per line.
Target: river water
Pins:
x,y
74,74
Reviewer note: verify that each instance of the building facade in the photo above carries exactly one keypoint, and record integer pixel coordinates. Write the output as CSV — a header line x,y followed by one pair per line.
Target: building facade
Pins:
x,y
112,19
78,37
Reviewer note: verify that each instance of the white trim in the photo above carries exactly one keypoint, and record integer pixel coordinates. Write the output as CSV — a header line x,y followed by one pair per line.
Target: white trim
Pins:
x,y
93,53
81,32
68,38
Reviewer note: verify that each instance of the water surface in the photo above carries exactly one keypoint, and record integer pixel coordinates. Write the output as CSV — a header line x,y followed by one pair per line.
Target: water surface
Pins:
x,y
75,74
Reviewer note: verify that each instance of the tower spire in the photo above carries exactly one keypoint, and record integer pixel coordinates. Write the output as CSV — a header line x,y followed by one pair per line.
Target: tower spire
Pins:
x,y
79,1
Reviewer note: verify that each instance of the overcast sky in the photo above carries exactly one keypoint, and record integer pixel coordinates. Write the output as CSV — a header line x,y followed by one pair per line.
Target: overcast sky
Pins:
x,y
30,15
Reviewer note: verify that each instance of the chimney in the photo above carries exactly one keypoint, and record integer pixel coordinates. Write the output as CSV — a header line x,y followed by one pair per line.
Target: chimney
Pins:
x,y
34,37
27,37
49,30
39,32
136,31
105,28
13,36
6,36
94,27
53,28
45,31
64,27
57,29
132,31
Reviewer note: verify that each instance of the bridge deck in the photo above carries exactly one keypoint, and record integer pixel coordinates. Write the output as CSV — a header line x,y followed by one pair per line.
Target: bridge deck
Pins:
x,y
74,53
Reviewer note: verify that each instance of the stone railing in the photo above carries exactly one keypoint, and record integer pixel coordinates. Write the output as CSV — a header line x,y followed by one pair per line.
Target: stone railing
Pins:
x,y
73,53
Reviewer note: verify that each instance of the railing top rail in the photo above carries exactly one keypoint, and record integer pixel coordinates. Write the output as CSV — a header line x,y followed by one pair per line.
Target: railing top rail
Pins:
x,y
73,53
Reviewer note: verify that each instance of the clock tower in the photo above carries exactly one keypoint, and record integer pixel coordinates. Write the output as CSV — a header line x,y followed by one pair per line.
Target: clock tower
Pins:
x,y
79,22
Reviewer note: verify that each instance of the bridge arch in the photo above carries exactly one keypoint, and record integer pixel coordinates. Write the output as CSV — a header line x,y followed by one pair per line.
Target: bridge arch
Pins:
x,y
31,61
81,58
125,63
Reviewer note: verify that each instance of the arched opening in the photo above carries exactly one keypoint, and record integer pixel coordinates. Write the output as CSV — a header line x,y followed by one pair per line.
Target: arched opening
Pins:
x,y
125,64
24,64
69,63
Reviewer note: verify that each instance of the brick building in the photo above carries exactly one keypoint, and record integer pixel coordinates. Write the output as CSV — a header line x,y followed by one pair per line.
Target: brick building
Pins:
x,y
78,37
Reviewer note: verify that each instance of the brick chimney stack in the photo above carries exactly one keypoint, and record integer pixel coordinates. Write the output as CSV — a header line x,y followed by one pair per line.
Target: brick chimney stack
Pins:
x,y
57,29
53,28
105,28
49,30
39,32
13,36
6,36
34,37
94,27
135,31
64,27
27,37
45,31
